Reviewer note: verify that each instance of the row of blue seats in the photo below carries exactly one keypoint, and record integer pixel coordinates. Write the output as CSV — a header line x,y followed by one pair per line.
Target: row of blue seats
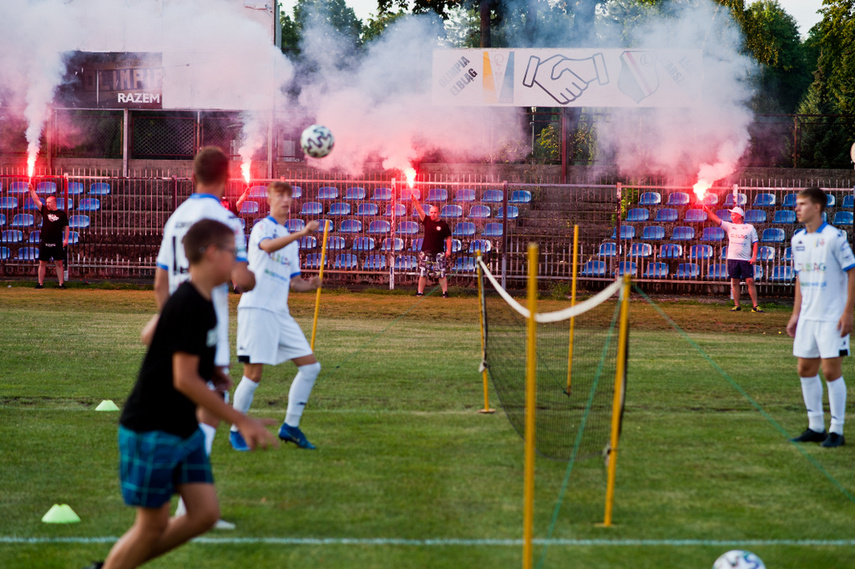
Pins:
x,y
760,200
396,244
676,250
85,204
10,236
50,188
684,233
25,220
375,262
382,227
385,194
659,270
755,216
341,209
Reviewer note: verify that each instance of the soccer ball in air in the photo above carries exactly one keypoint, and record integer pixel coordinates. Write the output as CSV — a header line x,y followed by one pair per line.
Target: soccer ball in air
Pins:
x,y
738,559
317,141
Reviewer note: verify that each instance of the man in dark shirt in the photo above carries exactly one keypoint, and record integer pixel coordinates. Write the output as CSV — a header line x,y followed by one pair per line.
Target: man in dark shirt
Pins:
x,y
54,237
436,247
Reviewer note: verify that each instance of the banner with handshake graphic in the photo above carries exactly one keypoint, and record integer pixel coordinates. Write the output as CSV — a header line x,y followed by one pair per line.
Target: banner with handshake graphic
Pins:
x,y
581,77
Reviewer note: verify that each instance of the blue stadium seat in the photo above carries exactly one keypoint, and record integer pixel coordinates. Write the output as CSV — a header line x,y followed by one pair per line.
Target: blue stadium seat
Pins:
x,y
642,250
367,209
23,220
382,194
608,249
717,271
626,232
765,253
700,252
683,233
249,207
678,198
60,203
464,229
75,188
327,193
313,261
593,269
755,216
773,235
758,272
788,255
842,218
789,201
666,215
354,193
400,210
724,215
46,188
335,243
416,245
406,263
89,204
322,223
296,192
12,236
723,253
73,238
712,234
437,195
407,194
375,263
480,244
464,265
513,212
35,236
520,196
78,221
849,201
464,195
390,244
764,200
637,214
339,209
311,208
456,245
782,273
7,202
656,271
363,244
695,216
784,216
408,228
4,253
493,196
27,254
258,192
451,211
294,225
307,242
379,226
650,198
99,189
627,267
741,200
687,271
19,188
350,226
830,200
479,212
2,219
710,199
671,251
653,233
492,230
30,205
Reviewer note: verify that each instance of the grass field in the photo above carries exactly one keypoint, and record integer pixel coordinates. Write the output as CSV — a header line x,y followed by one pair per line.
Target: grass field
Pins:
x,y
408,474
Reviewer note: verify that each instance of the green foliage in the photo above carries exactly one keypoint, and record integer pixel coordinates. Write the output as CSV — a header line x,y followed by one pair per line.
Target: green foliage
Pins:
x,y
547,145
334,13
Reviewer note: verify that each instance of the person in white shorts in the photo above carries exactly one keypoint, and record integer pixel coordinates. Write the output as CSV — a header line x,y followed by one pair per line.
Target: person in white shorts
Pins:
x,y
267,333
822,315
210,174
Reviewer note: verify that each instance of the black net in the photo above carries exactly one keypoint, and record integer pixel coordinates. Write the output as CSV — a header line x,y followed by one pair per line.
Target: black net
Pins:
x,y
566,419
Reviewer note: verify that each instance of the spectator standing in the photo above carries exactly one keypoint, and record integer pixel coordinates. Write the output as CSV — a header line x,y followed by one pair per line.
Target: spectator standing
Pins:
x,y
436,247
54,237
742,242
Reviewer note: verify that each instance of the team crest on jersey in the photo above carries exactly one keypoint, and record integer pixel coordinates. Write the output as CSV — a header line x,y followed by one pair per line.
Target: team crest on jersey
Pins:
x,y
820,243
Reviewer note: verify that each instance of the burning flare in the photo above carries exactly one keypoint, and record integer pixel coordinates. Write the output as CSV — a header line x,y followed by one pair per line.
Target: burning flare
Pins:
x,y
410,174
701,188
245,170
31,165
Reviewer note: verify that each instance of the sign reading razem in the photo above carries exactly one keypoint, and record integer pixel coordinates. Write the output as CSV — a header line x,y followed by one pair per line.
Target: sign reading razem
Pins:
x,y
581,77
114,80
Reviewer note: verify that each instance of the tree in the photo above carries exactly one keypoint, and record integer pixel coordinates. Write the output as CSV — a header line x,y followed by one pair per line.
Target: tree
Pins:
x,y
334,13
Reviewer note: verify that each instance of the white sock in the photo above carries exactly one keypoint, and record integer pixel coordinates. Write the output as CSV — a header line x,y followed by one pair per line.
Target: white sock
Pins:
x,y
837,404
244,394
301,388
812,394
209,436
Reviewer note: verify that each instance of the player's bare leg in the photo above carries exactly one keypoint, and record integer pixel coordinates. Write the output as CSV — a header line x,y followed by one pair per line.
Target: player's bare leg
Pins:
x,y
60,273
135,547
244,394
421,286
734,292
444,284
308,370
42,272
752,291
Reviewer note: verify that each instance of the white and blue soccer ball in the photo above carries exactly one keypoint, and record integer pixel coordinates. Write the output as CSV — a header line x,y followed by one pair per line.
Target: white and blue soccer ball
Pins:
x,y
738,559
317,141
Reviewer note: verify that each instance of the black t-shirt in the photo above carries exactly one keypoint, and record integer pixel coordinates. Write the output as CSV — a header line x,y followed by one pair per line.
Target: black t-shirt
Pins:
x,y
436,232
187,324
53,222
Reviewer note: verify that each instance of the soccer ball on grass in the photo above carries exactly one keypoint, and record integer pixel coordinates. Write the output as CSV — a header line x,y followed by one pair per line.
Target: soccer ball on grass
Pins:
x,y
738,559
317,141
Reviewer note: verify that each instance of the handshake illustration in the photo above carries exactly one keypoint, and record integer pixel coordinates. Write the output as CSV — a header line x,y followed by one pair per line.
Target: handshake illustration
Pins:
x,y
565,79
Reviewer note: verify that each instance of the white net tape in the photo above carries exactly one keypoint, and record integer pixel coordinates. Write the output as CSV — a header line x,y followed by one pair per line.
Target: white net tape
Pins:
x,y
558,315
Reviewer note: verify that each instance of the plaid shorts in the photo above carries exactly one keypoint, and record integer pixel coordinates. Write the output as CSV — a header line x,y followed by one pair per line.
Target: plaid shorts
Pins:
x,y
430,264
152,464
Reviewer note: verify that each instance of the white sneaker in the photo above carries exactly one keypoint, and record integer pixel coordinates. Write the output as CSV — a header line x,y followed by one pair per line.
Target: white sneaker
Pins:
x,y
224,525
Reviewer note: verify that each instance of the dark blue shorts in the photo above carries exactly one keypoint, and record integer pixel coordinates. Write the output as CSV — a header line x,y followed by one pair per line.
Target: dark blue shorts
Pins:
x,y
741,270
152,464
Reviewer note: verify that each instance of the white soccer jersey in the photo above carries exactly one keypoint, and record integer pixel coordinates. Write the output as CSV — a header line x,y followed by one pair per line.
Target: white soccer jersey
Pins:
x,y
821,260
171,257
273,271
741,240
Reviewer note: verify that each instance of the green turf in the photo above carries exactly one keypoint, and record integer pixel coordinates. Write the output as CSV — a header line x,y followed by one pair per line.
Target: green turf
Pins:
x,y
408,474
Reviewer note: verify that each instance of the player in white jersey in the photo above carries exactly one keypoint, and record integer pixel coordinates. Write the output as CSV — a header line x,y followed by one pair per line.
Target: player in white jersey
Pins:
x,y
742,244
267,333
822,315
210,174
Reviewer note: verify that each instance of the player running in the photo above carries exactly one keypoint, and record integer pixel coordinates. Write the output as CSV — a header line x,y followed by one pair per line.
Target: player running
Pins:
x,y
822,315
267,333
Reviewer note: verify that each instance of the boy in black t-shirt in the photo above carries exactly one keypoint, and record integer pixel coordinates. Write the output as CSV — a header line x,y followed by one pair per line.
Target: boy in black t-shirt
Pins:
x,y
161,447
54,237
436,246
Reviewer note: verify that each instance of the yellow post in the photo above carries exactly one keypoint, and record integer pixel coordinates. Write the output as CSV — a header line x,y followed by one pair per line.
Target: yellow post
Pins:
x,y
321,275
530,406
481,301
618,399
572,303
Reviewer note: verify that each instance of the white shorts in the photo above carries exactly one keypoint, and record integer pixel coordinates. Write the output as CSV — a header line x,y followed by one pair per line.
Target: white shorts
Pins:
x,y
265,337
819,339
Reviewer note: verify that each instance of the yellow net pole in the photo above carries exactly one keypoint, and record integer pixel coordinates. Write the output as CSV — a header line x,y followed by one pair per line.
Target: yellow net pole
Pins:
x,y
572,303
530,405
321,276
484,378
618,399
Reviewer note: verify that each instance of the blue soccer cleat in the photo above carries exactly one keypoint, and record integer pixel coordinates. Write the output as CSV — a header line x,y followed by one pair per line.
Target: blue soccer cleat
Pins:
x,y
294,435
238,443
